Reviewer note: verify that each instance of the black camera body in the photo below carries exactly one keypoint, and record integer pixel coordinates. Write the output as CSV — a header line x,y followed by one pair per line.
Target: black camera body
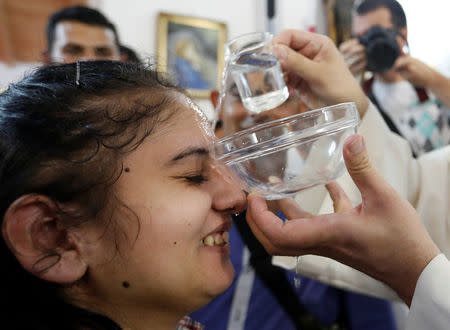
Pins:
x,y
381,48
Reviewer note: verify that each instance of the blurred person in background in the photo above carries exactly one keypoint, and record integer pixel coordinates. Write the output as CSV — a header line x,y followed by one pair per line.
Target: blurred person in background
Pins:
x,y
80,33
412,97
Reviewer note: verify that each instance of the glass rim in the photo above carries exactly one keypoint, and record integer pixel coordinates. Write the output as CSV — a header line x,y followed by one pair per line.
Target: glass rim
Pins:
x,y
246,35
286,140
278,122
268,36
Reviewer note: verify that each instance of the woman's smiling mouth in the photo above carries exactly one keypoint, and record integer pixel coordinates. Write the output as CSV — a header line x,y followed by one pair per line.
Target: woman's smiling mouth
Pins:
x,y
216,239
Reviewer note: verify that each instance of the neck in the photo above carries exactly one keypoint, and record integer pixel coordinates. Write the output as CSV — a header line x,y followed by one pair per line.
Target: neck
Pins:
x,y
390,76
158,316
141,320
135,317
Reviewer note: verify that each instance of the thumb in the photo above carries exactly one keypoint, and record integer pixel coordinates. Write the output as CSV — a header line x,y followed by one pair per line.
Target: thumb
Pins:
x,y
294,62
359,166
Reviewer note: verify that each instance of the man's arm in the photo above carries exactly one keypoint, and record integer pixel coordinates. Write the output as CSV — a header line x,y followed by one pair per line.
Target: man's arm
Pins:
x,y
421,75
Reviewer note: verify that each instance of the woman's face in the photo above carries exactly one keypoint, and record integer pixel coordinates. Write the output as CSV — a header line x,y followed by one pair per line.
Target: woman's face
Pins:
x,y
175,254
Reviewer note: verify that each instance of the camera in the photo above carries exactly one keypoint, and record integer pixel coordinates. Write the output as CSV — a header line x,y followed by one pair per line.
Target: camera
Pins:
x,y
381,48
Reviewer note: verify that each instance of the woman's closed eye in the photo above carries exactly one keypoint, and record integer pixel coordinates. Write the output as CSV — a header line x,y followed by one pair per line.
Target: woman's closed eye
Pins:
x,y
193,179
197,179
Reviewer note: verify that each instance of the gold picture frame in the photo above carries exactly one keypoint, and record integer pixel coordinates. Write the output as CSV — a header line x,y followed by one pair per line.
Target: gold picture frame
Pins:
x,y
192,49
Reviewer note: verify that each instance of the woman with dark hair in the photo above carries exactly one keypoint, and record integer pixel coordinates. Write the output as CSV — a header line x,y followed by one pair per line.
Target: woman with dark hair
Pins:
x,y
113,214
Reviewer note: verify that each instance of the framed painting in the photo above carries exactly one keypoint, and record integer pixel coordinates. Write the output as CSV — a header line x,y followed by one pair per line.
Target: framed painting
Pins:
x,y
191,49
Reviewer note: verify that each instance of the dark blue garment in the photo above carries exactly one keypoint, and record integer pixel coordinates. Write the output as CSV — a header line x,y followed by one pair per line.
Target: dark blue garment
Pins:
x,y
323,301
362,312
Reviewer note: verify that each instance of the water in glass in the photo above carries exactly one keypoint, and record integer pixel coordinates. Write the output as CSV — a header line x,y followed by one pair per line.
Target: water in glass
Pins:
x,y
260,81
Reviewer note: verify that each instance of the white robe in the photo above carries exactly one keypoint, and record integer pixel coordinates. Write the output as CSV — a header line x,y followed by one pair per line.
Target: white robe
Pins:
x,y
430,306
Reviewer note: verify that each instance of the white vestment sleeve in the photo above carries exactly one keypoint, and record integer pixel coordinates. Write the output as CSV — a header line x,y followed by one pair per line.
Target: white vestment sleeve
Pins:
x,y
430,307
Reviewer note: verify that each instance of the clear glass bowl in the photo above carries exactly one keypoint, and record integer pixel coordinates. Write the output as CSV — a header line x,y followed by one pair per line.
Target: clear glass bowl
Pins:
x,y
282,157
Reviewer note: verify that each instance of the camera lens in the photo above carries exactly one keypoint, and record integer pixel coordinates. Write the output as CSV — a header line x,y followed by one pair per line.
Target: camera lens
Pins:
x,y
381,56
381,48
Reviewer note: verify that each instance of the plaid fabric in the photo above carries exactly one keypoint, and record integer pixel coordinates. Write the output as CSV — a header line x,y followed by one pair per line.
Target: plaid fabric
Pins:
x,y
426,126
417,115
186,323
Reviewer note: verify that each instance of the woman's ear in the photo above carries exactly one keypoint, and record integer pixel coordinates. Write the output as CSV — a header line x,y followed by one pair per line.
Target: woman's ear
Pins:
x,y
33,231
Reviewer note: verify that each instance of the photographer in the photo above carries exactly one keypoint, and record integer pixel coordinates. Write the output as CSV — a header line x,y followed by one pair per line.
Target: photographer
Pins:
x,y
405,90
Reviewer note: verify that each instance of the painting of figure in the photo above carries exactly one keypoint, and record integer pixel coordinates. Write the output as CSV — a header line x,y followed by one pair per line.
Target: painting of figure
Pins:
x,y
192,50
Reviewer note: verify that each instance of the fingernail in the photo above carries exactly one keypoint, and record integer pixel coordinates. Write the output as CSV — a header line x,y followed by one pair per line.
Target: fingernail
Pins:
x,y
356,146
280,52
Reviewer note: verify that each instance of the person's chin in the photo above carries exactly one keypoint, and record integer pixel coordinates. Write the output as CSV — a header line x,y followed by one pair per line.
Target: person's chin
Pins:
x,y
223,279
218,283
217,269
229,275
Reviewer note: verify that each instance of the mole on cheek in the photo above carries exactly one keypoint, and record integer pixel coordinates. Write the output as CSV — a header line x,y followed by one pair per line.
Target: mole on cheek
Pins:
x,y
127,169
175,243
126,284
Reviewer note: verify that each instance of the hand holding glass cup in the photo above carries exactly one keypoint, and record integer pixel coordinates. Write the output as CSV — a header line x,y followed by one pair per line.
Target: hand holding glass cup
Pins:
x,y
273,149
256,71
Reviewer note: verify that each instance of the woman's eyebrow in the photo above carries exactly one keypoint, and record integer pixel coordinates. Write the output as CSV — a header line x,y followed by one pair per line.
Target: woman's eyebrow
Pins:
x,y
197,151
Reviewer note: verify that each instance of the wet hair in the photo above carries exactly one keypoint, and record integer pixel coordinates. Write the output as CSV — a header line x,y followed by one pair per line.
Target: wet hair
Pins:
x,y
64,136
79,14
398,16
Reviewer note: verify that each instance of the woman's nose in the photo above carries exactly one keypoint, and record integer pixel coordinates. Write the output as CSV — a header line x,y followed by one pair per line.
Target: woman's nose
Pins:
x,y
228,196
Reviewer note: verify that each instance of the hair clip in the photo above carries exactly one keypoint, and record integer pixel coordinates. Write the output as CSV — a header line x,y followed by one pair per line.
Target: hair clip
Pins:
x,y
77,77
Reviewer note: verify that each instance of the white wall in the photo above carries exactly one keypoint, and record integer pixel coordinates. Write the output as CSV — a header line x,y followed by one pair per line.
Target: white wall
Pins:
x,y
301,14
12,73
427,32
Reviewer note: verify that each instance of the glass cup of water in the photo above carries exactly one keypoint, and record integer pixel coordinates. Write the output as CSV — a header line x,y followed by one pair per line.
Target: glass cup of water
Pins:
x,y
256,72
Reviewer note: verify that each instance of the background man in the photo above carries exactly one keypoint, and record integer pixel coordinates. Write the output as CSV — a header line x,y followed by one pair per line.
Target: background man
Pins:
x,y
80,33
